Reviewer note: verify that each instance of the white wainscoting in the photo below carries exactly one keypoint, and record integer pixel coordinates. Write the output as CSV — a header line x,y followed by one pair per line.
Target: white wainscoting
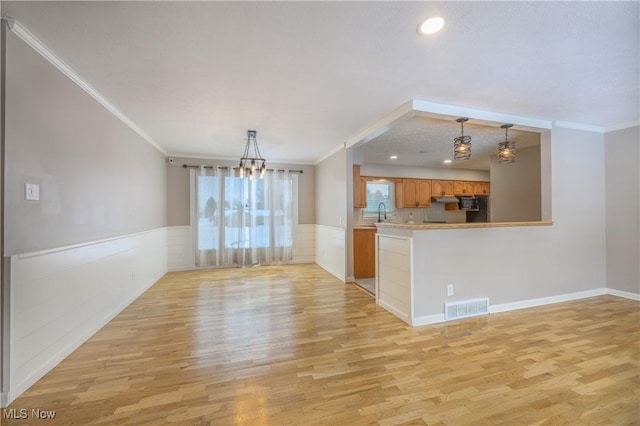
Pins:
x,y
61,297
394,286
304,244
330,250
181,255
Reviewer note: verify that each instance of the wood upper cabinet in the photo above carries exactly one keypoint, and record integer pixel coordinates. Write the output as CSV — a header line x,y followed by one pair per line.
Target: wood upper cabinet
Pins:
x,y
364,256
359,189
481,188
442,188
461,187
416,193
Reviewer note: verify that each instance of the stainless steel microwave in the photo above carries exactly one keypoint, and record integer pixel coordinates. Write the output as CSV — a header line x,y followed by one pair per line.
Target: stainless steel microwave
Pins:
x,y
468,203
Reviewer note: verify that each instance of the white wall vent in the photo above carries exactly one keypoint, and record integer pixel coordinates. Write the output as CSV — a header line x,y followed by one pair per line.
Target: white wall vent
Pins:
x,y
466,308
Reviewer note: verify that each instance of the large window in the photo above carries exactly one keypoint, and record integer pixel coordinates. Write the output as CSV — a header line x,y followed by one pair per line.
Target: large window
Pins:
x,y
240,219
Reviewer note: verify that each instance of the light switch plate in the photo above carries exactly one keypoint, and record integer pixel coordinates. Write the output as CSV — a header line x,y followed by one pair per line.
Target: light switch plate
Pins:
x,y
32,192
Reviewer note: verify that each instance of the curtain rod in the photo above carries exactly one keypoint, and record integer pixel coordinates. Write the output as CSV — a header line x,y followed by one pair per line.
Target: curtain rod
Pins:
x,y
187,166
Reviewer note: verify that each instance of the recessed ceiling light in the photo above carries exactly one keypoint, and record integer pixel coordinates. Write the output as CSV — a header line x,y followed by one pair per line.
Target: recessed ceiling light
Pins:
x,y
430,26
393,157
447,161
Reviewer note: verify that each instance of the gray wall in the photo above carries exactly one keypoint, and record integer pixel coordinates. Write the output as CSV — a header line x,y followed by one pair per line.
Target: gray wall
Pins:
x,y
98,179
622,185
515,188
178,188
331,190
515,264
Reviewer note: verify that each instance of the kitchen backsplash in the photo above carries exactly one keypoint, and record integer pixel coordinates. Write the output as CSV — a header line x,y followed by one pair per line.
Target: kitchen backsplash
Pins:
x,y
435,213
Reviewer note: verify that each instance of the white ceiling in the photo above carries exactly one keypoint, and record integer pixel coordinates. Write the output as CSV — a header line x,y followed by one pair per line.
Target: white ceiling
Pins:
x,y
308,76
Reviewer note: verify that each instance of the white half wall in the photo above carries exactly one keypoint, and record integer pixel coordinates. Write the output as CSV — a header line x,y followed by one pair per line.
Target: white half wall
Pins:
x,y
330,250
304,243
181,255
61,297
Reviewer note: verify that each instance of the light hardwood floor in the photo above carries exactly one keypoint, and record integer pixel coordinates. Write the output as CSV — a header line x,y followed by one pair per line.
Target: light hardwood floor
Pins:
x,y
292,345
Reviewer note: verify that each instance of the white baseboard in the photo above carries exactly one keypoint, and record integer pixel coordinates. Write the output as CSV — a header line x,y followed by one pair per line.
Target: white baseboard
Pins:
x,y
302,260
395,311
327,268
504,307
531,303
427,319
625,294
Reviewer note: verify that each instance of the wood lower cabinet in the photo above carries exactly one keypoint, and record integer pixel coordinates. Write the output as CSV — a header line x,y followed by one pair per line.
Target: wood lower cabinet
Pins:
x,y
364,255
416,193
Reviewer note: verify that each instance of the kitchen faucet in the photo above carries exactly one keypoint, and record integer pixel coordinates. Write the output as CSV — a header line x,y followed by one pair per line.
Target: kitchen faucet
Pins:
x,y
380,207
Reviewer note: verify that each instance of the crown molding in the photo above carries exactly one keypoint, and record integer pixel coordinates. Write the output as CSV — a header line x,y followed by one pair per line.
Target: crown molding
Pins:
x,y
578,126
331,153
622,126
185,156
436,109
24,34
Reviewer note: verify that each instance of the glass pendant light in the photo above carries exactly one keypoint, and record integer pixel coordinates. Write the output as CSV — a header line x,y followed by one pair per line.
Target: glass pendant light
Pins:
x,y
462,144
506,149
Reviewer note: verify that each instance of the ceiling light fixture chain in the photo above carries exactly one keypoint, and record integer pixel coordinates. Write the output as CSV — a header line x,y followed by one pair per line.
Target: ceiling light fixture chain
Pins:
x,y
506,149
462,143
251,161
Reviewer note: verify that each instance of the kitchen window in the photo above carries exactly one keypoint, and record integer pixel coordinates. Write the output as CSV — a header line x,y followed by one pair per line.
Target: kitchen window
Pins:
x,y
380,192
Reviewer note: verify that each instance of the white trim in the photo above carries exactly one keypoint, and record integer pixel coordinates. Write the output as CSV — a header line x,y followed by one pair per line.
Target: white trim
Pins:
x,y
625,294
270,161
490,117
351,279
39,47
531,303
332,152
622,126
428,319
401,113
437,110
406,317
80,245
578,126
336,228
331,271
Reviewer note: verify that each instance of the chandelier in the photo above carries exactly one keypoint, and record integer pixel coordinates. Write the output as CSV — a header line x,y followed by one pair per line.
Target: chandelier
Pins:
x,y
506,149
462,143
251,157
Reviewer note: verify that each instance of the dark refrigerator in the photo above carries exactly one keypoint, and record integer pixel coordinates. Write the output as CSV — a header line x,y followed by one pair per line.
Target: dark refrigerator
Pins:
x,y
482,214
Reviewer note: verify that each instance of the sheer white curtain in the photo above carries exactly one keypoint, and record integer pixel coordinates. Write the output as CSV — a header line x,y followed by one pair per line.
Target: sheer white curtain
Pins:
x,y
242,222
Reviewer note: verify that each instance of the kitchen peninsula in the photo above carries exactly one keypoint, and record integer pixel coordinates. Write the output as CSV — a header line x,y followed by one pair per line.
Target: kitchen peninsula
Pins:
x,y
416,263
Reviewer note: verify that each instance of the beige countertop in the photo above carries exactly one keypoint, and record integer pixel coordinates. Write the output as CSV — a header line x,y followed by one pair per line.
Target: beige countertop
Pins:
x,y
420,226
